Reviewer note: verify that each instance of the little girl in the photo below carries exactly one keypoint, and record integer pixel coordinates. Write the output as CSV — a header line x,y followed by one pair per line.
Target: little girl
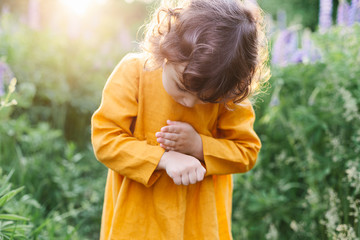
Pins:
x,y
175,122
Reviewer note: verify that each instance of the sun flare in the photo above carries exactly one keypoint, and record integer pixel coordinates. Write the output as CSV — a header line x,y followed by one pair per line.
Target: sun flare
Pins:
x,y
80,6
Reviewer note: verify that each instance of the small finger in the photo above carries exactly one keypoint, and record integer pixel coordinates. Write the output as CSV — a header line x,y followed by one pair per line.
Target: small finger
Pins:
x,y
170,136
158,134
173,174
170,129
163,146
192,177
167,147
169,143
163,143
200,174
185,179
164,129
177,180
172,122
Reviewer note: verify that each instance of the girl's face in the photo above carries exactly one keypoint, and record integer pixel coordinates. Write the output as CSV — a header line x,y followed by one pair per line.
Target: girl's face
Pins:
x,y
171,80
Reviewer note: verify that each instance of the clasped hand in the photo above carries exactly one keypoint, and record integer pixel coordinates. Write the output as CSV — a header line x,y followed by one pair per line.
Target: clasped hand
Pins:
x,y
184,152
182,168
180,137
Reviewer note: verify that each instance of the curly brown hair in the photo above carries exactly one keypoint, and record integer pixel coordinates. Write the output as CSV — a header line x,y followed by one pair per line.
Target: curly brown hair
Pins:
x,y
221,41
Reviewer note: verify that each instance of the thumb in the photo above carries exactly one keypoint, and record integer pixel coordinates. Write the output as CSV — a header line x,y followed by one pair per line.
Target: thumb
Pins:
x,y
173,122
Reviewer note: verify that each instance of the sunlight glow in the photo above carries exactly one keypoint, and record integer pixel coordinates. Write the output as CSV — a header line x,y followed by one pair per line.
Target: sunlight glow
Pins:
x,y
80,7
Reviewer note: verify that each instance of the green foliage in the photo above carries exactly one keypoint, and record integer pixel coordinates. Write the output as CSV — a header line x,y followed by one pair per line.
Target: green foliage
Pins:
x,y
6,101
62,75
306,183
304,12
12,226
58,176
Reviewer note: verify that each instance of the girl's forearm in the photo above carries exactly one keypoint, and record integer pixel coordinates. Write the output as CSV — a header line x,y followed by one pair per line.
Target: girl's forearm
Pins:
x,y
198,149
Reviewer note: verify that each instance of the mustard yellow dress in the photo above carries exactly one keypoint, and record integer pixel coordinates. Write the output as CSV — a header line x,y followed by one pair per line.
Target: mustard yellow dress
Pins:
x,y
144,203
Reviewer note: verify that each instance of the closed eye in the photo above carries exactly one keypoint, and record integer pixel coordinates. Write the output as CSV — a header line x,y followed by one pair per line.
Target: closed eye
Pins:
x,y
180,88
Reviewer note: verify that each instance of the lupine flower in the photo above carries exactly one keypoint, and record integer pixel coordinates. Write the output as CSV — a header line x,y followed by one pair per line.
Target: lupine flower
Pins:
x,y
2,91
4,70
310,52
284,48
343,13
5,75
354,10
306,43
297,56
275,101
325,20
278,51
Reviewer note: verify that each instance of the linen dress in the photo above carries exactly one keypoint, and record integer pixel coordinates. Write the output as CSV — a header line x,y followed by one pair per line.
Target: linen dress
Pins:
x,y
144,203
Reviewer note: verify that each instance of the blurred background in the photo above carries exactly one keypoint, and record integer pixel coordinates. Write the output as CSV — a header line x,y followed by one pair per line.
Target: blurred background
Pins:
x,y
55,57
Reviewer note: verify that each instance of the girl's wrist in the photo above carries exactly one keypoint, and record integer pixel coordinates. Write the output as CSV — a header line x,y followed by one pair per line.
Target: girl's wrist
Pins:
x,y
198,149
162,162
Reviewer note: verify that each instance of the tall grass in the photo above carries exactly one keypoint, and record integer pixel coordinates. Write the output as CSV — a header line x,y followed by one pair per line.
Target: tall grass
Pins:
x,y
306,182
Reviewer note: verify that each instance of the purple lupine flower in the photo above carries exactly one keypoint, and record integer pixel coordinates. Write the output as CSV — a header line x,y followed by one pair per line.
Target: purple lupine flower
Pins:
x,y
278,49
354,9
325,20
297,56
306,42
5,76
357,17
2,91
310,51
307,47
275,101
291,44
343,13
284,48
357,14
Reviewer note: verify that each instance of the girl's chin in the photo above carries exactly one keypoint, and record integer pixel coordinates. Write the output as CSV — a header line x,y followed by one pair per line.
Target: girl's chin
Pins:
x,y
186,105
181,103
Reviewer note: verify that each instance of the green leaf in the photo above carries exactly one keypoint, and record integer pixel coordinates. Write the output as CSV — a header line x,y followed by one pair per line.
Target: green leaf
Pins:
x,y
9,175
9,196
14,227
13,217
5,189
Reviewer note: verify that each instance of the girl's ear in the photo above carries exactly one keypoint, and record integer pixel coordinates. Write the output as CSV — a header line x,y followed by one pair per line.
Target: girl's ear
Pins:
x,y
165,61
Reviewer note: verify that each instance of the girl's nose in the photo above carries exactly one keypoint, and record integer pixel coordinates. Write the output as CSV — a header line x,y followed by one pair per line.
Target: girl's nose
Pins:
x,y
191,102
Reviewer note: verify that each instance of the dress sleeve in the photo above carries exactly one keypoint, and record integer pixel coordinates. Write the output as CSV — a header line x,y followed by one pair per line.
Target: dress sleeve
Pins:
x,y
236,147
111,134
